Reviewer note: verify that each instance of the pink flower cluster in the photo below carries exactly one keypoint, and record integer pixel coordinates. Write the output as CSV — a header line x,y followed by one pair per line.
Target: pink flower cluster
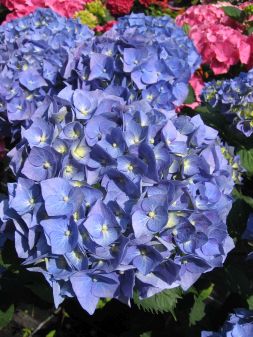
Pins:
x,y
220,46
209,14
20,8
219,39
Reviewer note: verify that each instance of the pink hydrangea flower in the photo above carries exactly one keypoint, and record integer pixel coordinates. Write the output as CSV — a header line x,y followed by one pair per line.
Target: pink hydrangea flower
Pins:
x,y
218,38
21,8
205,14
66,7
221,46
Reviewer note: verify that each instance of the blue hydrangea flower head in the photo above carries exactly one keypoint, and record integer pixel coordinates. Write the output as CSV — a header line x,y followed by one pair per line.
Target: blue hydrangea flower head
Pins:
x,y
114,191
144,56
238,324
233,98
113,196
34,52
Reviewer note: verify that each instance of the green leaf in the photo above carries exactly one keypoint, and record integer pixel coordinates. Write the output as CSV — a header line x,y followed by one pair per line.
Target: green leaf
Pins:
x,y
102,303
146,334
204,294
191,98
6,316
198,310
234,13
51,333
165,301
246,157
250,302
250,30
186,28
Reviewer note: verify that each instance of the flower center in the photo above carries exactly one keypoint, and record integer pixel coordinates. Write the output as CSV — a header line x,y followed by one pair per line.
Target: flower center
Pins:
x,y
130,167
152,214
46,165
104,228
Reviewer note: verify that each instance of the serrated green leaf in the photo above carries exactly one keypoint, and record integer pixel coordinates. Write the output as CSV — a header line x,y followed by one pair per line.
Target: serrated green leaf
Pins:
x,y
51,333
191,98
164,301
6,316
233,13
198,310
250,302
246,157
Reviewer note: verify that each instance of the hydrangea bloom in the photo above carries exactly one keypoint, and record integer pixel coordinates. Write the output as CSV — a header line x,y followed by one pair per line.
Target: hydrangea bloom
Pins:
x,y
219,40
208,14
140,57
119,196
233,98
218,50
21,8
238,324
113,190
34,53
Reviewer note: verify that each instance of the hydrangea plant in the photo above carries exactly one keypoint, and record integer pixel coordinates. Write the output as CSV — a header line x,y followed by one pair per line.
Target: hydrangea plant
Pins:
x,y
114,192
233,98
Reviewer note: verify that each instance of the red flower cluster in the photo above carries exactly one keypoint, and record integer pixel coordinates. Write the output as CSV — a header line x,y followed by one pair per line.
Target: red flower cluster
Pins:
x,y
160,3
119,7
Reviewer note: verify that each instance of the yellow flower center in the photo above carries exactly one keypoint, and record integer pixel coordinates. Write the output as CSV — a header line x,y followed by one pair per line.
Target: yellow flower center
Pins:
x,y
46,165
152,215
80,151
67,233
69,169
104,228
